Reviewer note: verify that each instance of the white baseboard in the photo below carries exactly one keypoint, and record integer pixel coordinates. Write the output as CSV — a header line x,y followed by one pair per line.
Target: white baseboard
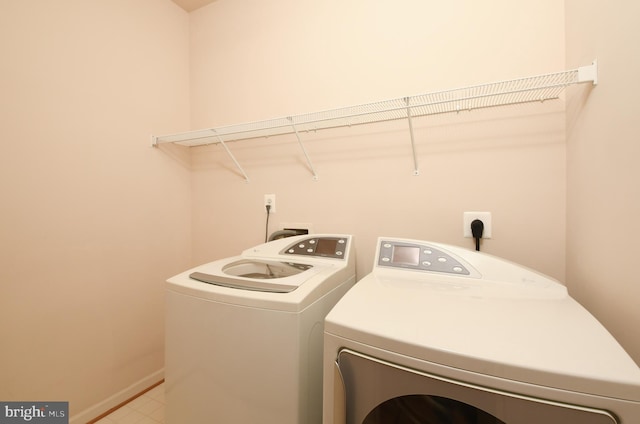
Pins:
x,y
115,400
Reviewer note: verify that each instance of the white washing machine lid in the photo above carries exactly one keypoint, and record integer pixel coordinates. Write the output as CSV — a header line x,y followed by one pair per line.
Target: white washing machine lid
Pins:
x,y
286,274
256,274
497,319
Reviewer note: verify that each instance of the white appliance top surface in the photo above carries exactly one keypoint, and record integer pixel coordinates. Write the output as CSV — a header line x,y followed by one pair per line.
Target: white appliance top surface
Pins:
x,y
497,319
284,274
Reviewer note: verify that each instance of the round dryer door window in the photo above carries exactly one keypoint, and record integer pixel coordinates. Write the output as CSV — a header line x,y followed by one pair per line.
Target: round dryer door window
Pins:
x,y
428,409
380,392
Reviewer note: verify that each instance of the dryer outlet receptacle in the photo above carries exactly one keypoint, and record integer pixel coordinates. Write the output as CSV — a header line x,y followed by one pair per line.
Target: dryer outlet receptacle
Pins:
x,y
469,217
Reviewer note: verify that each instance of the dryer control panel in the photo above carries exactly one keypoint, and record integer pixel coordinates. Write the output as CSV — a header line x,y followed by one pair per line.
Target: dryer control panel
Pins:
x,y
422,257
329,247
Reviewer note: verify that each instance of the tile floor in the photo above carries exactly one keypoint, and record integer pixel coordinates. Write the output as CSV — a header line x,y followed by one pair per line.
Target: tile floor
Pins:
x,y
145,409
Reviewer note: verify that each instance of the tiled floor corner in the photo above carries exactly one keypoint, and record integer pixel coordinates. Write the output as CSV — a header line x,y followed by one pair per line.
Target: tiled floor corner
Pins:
x,y
145,409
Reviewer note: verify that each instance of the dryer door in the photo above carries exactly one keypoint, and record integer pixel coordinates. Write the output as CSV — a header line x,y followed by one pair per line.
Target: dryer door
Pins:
x,y
378,392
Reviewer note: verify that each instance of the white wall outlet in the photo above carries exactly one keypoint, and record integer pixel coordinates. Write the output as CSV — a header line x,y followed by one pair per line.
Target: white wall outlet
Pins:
x,y
469,217
270,199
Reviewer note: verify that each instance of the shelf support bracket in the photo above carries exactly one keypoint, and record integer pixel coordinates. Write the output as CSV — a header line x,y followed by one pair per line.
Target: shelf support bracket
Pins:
x,y
233,158
416,172
589,73
306,155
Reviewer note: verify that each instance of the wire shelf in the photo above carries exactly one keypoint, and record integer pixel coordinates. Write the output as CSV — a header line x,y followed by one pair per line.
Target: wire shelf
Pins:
x,y
538,88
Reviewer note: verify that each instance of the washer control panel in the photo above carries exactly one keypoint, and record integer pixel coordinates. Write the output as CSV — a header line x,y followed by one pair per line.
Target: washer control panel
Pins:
x,y
328,247
420,257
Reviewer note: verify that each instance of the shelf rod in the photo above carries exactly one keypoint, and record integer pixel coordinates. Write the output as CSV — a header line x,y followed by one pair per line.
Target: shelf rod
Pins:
x,y
306,155
452,101
158,139
417,105
233,158
416,172
507,92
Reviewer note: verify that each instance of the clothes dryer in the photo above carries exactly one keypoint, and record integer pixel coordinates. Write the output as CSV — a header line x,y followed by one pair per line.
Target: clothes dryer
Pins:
x,y
436,334
244,334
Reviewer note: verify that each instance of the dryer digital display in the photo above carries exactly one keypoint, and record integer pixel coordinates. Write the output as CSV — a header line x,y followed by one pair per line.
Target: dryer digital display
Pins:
x,y
406,255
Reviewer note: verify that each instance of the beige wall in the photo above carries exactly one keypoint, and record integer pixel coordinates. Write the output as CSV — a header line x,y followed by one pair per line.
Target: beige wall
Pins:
x,y
92,219
603,206
253,60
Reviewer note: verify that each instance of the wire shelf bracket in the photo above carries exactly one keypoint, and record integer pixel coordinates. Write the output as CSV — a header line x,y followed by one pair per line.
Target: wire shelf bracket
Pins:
x,y
304,151
416,172
538,88
233,158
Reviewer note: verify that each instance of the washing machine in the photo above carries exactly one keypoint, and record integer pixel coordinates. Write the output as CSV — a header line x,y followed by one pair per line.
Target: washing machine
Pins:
x,y
244,334
437,334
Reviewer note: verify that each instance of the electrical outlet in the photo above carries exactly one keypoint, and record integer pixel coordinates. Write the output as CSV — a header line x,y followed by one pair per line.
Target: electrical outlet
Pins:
x,y
469,217
270,199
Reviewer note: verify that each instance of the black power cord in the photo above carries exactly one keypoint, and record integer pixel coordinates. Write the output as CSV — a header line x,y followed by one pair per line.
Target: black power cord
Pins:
x,y
266,229
477,227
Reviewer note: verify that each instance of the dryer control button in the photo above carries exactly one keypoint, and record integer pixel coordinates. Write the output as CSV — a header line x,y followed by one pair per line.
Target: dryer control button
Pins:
x,y
387,245
312,241
310,250
442,259
339,253
426,263
291,250
457,268
385,259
